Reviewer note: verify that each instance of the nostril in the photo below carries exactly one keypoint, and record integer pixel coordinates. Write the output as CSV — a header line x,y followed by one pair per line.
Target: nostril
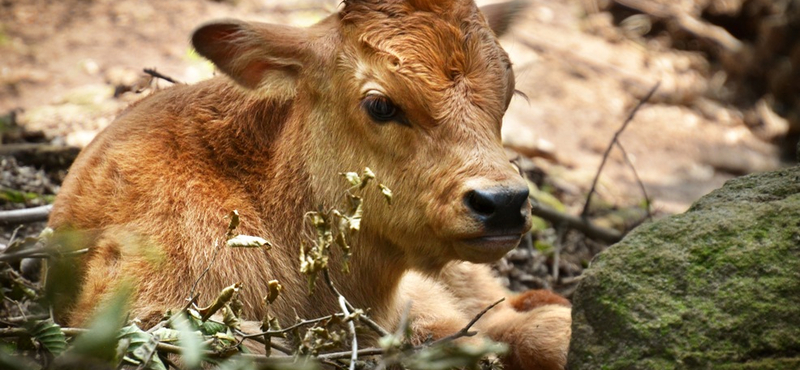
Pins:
x,y
481,202
500,209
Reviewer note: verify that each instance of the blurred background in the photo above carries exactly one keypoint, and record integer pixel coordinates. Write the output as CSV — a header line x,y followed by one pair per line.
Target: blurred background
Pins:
x,y
728,102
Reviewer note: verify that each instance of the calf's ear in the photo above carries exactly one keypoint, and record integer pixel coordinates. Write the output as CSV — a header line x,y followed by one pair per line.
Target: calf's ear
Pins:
x,y
255,55
501,16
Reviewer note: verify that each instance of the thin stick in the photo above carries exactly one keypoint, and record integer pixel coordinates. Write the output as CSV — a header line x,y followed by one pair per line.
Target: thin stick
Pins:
x,y
352,326
154,73
20,319
14,235
562,231
464,332
583,225
273,333
611,145
345,354
363,317
217,246
38,253
27,215
638,180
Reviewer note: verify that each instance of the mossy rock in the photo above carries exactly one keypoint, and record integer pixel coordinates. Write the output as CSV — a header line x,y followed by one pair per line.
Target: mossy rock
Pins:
x,y
717,287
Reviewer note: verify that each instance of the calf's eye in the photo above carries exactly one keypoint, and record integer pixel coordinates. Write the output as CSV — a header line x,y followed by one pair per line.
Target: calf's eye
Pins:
x,y
381,109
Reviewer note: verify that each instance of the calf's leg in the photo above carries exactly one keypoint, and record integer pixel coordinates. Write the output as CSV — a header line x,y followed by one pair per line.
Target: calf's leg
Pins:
x,y
535,324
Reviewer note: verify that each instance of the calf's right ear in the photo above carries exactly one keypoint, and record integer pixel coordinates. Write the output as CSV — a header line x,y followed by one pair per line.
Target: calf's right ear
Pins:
x,y
255,55
501,16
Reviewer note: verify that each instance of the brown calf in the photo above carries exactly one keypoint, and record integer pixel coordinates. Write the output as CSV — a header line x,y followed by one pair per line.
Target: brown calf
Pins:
x,y
414,89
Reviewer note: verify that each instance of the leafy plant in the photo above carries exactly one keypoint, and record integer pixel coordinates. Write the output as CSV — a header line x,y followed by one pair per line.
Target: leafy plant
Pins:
x,y
210,334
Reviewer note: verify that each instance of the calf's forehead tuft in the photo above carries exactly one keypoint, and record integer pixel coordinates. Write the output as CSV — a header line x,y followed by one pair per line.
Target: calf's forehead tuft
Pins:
x,y
438,46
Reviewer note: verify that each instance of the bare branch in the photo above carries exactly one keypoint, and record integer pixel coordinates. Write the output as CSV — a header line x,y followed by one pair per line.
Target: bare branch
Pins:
x,y
217,247
638,180
363,317
258,336
689,22
154,73
464,332
38,252
27,215
583,225
41,154
352,327
611,145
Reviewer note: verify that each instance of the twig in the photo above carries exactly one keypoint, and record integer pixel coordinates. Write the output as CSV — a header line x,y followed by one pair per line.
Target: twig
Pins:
x,y
259,337
652,91
352,327
273,333
53,157
638,179
14,235
464,332
403,323
27,215
20,319
400,332
688,22
562,231
363,317
218,246
345,354
40,252
583,225
16,332
154,73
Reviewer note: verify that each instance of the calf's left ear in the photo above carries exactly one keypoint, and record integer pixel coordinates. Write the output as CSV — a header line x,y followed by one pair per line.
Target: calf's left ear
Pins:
x,y
255,55
501,16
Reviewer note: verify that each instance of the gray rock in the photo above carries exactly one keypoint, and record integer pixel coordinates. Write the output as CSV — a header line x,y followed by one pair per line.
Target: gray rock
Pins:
x,y
717,287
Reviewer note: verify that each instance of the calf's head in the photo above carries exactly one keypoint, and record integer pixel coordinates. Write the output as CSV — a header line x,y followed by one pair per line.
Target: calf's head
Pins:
x,y
415,90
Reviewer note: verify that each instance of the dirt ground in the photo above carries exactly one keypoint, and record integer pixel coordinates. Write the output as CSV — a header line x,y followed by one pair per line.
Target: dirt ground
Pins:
x,y
68,66
60,62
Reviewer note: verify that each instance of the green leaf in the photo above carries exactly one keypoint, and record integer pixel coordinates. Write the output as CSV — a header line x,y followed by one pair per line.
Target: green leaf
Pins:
x,y
191,342
545,197
141,348
238,363
167,335
49,334
100,342
452,355
544,247
212,327
16,196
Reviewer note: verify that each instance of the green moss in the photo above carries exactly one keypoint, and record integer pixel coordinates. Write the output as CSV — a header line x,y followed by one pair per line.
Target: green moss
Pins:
x,y
718,285
21,197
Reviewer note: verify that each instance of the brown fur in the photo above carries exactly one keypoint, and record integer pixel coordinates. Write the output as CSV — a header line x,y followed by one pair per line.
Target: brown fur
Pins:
x,y
152,190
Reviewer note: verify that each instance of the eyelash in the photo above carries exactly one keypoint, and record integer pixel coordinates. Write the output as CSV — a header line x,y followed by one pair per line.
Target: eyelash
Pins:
x,y
383,110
